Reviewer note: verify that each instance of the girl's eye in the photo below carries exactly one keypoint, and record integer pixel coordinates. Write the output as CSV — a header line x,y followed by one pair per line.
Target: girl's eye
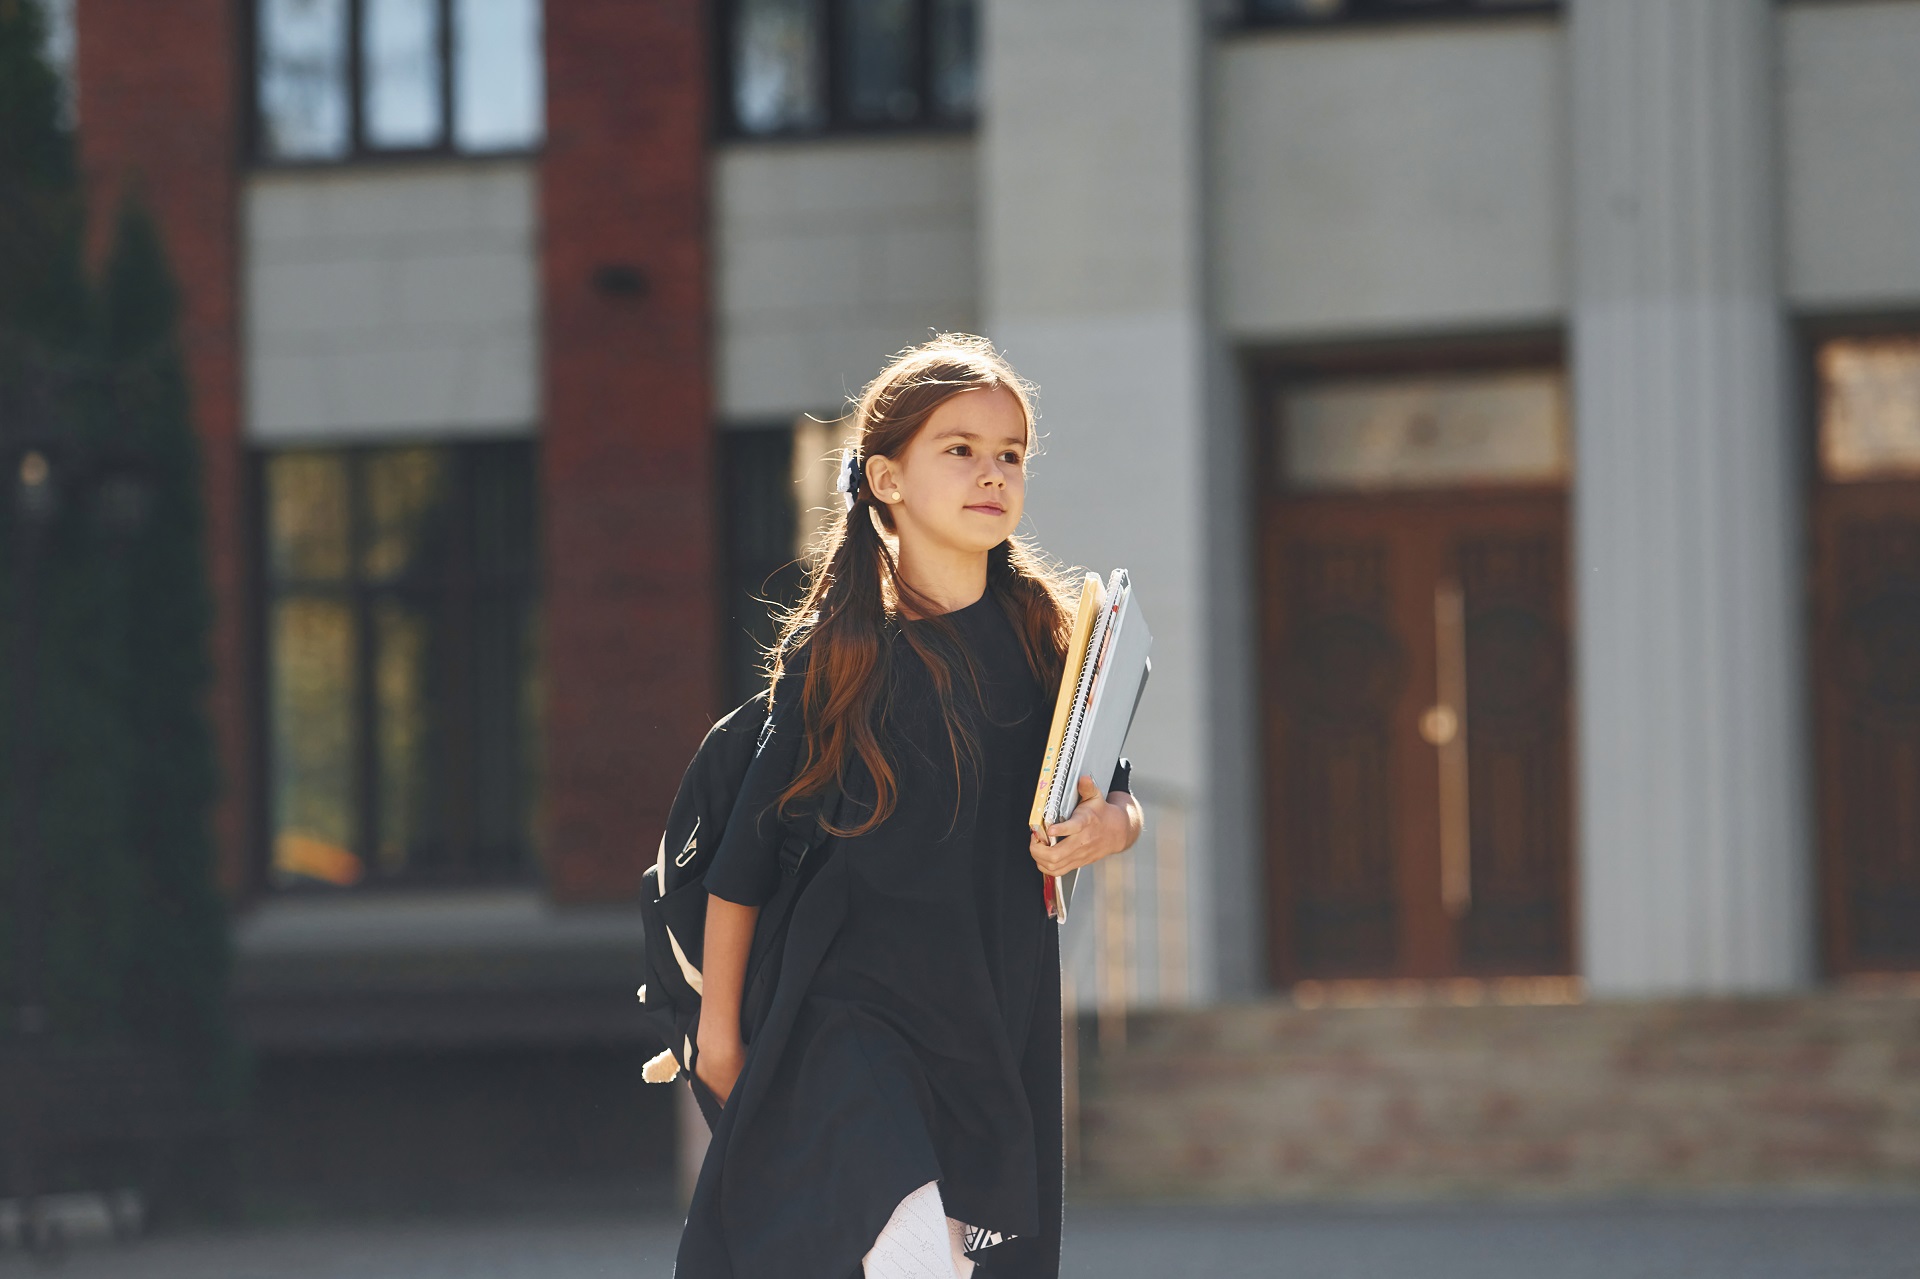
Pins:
x,y
957,446
1012,457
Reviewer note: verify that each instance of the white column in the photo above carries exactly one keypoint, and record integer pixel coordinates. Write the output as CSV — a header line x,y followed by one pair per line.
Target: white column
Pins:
x,y
1694,831
1091,240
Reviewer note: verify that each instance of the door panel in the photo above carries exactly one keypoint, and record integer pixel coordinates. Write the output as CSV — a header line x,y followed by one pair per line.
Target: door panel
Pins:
x,y
1517,743
1344,674
1867,659
1359,735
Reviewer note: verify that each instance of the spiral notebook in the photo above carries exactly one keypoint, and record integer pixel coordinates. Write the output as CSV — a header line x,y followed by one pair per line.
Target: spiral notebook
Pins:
x,y
1106,672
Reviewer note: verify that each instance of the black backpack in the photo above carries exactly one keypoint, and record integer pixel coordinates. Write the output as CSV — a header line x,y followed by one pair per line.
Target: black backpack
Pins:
x,y
673,900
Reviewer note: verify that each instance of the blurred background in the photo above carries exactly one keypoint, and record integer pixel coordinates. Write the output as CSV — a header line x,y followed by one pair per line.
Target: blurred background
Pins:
x,y
411,410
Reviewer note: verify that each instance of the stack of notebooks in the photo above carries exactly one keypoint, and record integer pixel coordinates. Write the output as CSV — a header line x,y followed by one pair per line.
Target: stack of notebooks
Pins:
x,y
1107,669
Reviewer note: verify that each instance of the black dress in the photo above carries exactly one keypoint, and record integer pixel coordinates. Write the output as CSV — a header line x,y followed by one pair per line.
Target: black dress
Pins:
x,y
914,1033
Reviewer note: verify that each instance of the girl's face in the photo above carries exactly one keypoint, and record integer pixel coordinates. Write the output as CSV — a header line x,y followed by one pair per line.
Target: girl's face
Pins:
x,y
961,481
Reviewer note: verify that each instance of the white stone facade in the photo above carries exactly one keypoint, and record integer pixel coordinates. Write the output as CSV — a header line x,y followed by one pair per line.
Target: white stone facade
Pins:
x,y
831,255
1150,199
392,301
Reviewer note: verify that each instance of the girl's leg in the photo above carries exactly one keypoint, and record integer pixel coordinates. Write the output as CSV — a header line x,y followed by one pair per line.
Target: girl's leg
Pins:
x,y
919,1242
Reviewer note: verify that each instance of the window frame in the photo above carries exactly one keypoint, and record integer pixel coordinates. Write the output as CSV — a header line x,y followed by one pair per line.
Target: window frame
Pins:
x,y
358,152
837,123
1246,18
1266,374
528,868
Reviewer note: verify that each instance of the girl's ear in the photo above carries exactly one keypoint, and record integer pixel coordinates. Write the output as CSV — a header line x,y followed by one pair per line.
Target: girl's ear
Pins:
x,y
882,481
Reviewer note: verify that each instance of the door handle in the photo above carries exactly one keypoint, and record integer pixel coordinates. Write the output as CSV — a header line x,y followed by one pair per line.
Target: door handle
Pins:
x,y
1444,727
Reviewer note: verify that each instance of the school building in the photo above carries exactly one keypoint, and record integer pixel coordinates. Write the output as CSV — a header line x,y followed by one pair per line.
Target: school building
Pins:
x,y
1509,413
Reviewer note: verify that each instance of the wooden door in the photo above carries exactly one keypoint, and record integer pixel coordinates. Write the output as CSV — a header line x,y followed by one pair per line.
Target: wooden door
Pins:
x,y
1417,767
1866,650
1416,691
1867,659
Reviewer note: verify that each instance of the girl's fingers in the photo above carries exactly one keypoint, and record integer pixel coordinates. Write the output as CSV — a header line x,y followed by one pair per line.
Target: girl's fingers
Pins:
x,y
1099,830
1064,865
1053,859
1067,854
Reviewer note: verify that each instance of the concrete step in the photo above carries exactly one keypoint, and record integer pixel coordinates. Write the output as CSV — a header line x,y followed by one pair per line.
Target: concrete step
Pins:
x,y
1276,1101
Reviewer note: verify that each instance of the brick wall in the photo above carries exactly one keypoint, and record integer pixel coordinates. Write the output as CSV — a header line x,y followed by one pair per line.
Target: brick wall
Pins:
x,y
159,108
631,629
1276,1102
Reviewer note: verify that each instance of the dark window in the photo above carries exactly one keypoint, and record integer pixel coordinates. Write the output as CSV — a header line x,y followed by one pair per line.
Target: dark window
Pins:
x,y
954,47
301,81
813,66
401,75
340,79
1323,12
879,57
401,667
778,82
760,516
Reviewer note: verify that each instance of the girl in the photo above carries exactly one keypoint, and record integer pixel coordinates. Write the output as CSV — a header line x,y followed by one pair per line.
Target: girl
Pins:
x,y
898,1112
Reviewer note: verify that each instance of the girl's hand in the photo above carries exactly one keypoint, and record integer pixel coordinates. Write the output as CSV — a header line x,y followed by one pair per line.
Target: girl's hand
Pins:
x,y
1100,827
718,1066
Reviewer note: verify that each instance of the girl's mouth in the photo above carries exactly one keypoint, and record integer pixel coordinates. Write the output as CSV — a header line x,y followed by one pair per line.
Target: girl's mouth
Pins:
x,y
988,508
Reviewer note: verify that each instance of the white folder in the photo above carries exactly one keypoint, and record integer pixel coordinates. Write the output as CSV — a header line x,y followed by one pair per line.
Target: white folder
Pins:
x,y
1103,708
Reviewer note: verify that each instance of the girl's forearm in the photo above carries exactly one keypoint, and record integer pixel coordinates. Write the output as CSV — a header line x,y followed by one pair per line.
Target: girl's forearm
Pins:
x,y
724,974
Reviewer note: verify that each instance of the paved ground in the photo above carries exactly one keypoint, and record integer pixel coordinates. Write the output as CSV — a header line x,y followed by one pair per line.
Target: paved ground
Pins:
x,y
1851,1238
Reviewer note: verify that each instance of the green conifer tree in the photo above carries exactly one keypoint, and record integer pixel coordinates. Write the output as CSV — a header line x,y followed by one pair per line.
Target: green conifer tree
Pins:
x,y
174,992
79,731
135,942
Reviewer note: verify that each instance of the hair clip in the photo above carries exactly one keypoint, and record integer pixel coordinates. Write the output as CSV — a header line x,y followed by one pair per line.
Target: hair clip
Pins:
x,y
848,482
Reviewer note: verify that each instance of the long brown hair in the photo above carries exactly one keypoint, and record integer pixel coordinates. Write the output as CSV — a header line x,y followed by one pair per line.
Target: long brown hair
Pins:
x,y
849,614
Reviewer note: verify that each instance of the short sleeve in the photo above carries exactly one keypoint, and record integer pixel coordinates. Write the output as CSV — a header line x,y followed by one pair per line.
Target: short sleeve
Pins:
x,y
746,867
1122,776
